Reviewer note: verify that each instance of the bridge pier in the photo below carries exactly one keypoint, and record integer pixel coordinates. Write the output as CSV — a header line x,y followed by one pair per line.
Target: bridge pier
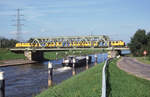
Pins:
x,y
34,55
114,53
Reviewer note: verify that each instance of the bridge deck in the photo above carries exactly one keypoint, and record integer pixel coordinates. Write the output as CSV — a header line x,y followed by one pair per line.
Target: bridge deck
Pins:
x,y
64,49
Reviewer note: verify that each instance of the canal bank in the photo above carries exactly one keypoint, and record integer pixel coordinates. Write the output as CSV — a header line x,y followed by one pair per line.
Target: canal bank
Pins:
x,y
5,63
85,84
123,84
30,79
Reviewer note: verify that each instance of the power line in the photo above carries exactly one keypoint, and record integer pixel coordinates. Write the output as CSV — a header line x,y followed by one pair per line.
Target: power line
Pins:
x,y
18,25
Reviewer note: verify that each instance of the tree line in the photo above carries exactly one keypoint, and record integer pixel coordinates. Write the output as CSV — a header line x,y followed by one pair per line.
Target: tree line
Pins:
x,y
7,43
140,42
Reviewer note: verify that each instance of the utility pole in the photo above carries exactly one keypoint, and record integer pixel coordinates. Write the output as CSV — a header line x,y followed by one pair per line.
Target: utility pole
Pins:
x,y
18,25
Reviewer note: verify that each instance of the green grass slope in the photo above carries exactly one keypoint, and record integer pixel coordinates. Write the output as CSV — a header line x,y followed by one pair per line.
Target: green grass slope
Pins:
x,y
5,54
85,84
121,84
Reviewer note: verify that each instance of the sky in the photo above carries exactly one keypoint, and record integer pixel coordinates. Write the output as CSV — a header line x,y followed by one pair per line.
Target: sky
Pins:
x,y
119,19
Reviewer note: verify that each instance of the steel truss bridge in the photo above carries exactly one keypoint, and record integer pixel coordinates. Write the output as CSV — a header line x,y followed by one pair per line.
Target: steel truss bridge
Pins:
x,y
36,53
102,39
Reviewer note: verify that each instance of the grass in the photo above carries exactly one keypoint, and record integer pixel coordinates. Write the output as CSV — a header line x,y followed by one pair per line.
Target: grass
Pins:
x,y
145,60
85,84
5,54
61,54
121,84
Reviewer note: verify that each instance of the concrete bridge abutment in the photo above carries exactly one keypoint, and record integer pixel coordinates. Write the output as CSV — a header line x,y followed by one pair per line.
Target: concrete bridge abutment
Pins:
x,y
34,55
114,53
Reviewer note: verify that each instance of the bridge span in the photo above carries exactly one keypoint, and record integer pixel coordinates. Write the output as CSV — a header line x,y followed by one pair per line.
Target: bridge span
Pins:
x,y
37,53
34,49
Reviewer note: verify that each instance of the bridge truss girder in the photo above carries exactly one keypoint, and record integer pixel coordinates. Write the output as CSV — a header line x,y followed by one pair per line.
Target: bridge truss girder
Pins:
x,y
101,38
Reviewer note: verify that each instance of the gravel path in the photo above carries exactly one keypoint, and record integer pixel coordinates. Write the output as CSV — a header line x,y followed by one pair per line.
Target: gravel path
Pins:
x,y
132,66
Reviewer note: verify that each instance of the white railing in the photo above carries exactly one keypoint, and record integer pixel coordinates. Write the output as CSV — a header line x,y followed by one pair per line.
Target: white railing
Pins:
x,y
104,79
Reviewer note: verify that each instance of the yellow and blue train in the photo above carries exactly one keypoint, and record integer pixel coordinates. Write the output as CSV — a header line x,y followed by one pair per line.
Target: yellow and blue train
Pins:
x,y
80,44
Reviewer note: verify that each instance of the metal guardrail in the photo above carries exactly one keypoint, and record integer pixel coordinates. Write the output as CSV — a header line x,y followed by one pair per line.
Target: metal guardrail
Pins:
x,y
104,79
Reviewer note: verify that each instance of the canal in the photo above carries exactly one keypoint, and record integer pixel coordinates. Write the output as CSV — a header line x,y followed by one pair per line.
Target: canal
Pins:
x,y
31,79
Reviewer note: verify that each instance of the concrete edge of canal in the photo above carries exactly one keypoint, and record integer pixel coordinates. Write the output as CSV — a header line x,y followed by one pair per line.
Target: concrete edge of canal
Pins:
x,y
5,63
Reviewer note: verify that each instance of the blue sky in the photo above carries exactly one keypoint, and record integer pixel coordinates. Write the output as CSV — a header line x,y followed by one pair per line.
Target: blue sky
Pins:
x,y
49,18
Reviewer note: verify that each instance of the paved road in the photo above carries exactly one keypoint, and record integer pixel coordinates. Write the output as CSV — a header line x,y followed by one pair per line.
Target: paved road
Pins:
x,y
132,66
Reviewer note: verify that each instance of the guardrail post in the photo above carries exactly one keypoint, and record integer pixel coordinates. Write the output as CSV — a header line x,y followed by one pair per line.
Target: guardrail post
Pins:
x,y
95,59
50,74
73,67
2,84
87,60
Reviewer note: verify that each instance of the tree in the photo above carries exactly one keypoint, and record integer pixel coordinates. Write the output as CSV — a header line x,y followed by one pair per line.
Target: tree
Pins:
x,y
138,43
7,43
148,42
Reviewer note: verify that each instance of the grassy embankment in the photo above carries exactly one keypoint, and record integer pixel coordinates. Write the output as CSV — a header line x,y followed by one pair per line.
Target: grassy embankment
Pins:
x,y
5,54
122,84
145,60
85,84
